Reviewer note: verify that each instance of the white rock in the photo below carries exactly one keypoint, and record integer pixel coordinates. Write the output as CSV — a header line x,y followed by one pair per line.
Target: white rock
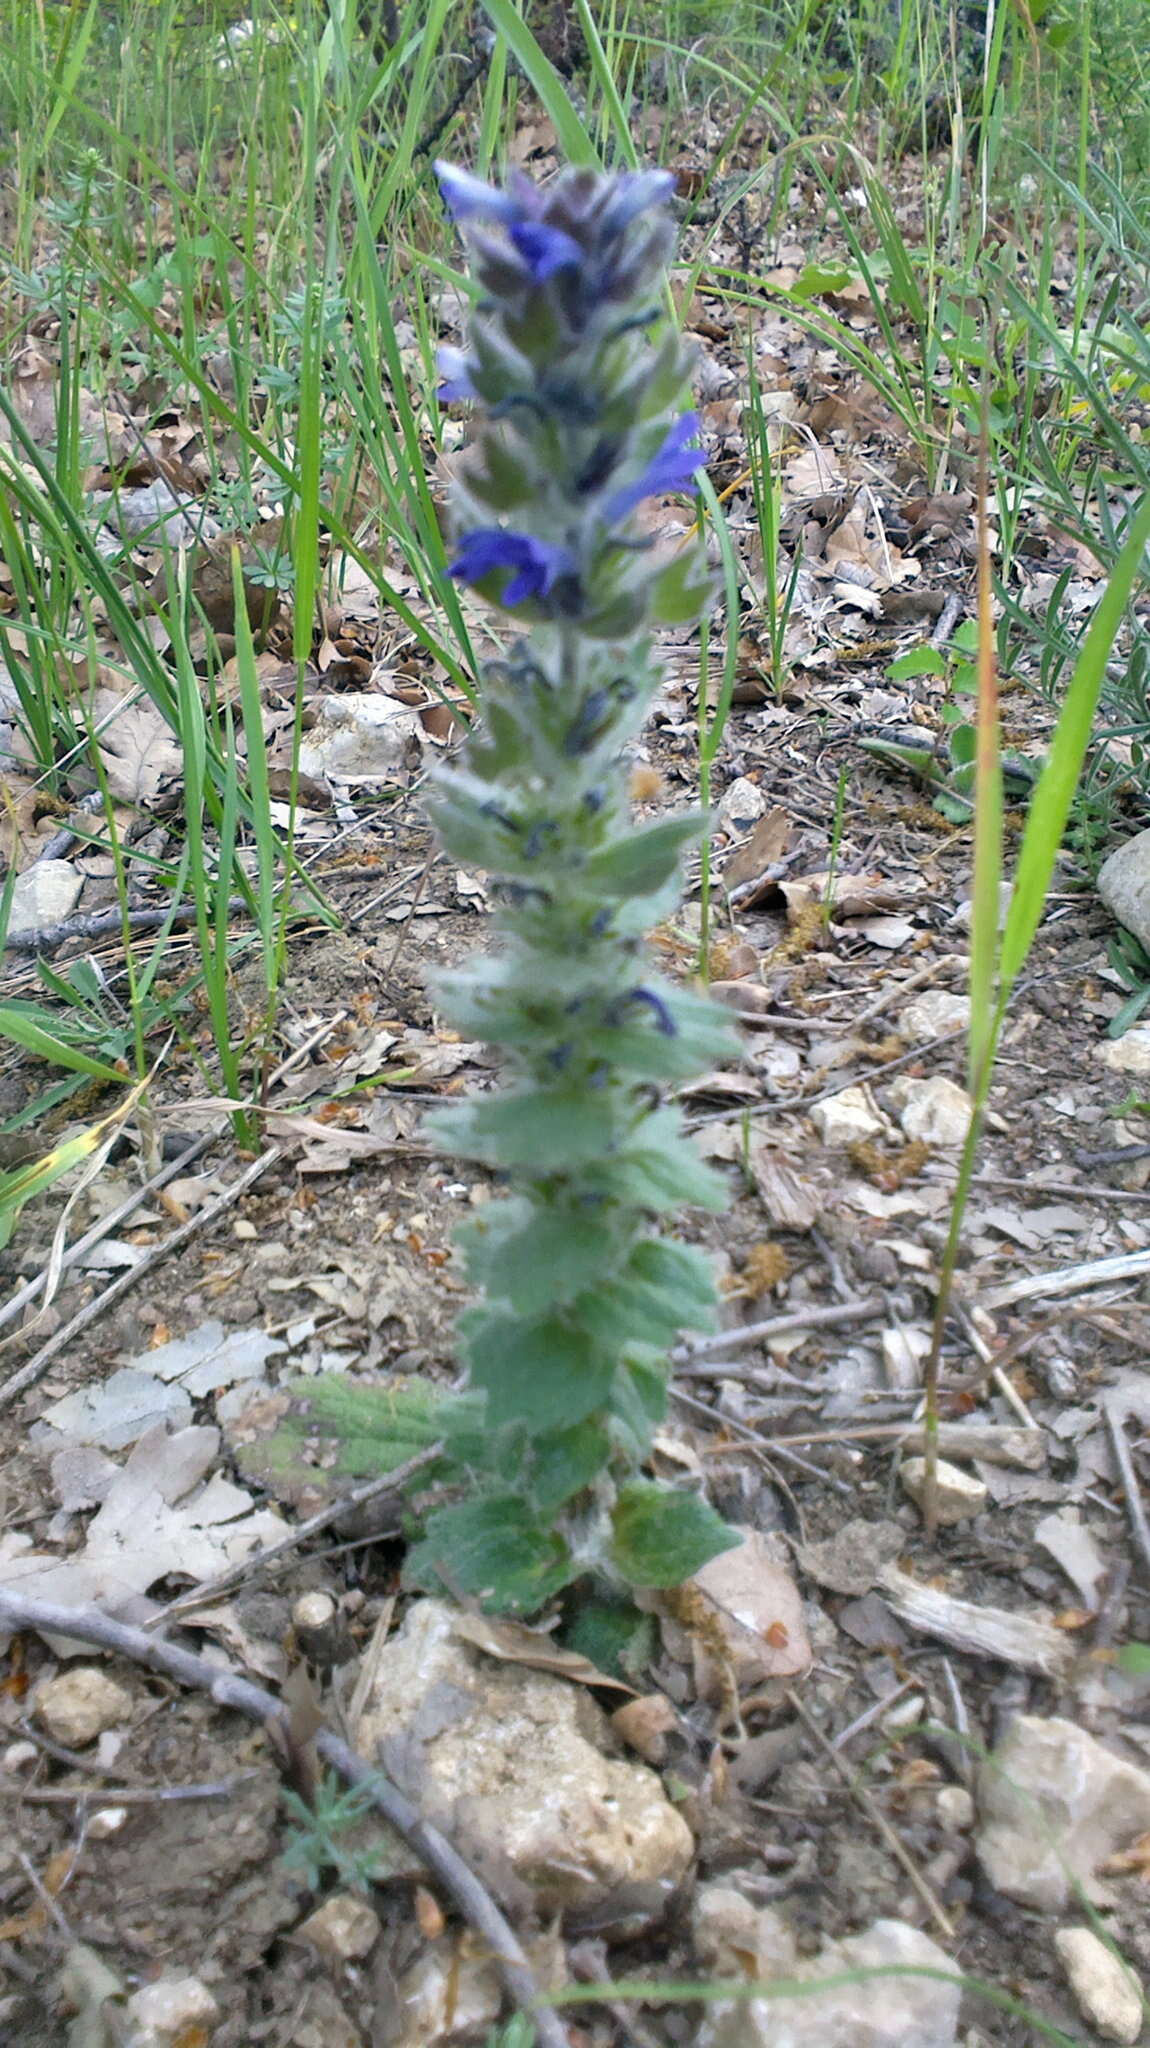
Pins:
x,y
445,1998
171,2007
903,1350
936,1110
725,1928
155,512
1109,1996
1053,1805
955,1809
1124,886
742,805
1129,1054
43,895
362,737
343,1928
879,2012
508,1760
958,1494
847,1118
932,1014
77,1706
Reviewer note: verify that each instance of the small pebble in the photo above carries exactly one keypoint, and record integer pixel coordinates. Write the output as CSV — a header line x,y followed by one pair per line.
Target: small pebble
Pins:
x,y
959,1494
1108,1994
172,2007
955,1809
77,1706
344,1928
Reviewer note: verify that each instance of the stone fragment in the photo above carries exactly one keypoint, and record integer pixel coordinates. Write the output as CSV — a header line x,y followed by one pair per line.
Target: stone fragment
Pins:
x,y
903,1351
43,895
847,1118
1129,1055
1124,886
169,2008
852,1560
1053,1804
936,1111
1109,1996
344,1928
360,737
958,1494
932,1014
877,2012
725,1930
444,1997
742,805
749,998
509,1761
955,1808
155,513
77,1706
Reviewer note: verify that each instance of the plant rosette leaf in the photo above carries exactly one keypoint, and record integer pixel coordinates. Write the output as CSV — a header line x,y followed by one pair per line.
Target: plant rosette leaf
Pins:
x,y
661,1538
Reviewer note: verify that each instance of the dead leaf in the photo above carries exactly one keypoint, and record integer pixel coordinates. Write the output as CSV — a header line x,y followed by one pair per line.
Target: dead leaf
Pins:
x,y
762,852
513,1643
759,1610
791,1200
137,746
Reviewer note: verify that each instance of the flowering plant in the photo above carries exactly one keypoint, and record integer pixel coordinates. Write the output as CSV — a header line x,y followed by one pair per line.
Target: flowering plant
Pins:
x,y
580,418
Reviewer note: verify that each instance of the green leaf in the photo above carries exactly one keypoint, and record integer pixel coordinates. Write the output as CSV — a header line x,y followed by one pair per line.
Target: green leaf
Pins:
x,y
564,1463
662,1537
921,661
645,860
815,279
543,1131
680,590
545,1374
19,1023
537,1258
1134,1658
494,1550
614,1635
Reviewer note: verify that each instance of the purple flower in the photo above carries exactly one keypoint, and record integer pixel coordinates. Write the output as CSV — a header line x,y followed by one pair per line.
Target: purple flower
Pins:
x,y
467,198
536,563
634,192
544,250
671,468
455,370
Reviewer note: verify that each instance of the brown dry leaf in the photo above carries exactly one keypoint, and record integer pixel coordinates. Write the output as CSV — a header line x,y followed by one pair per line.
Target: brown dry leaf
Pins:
x,y
513,1643
763,850
645,1723
137,746
1134,1861
327,1148
25,824
760,1611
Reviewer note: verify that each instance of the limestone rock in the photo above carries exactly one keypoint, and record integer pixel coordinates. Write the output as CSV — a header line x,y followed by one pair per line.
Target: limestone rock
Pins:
x,y
879,2012
77,1706
1109,1997
937,1111
169,2008
359,737
742,805
1054,1804
507,1760
43,895
932,1014
1124,886
1129,1055
846,1118
958,1494
444,1997
344,1928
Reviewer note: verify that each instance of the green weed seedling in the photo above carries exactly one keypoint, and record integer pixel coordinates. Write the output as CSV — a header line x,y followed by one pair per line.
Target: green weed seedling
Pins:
x,y
948,769
1131,963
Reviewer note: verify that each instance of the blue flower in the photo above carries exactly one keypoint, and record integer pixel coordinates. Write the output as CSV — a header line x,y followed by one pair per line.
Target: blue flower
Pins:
x,y
537,565
455,370
671,468
633,193
467,198
544,250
